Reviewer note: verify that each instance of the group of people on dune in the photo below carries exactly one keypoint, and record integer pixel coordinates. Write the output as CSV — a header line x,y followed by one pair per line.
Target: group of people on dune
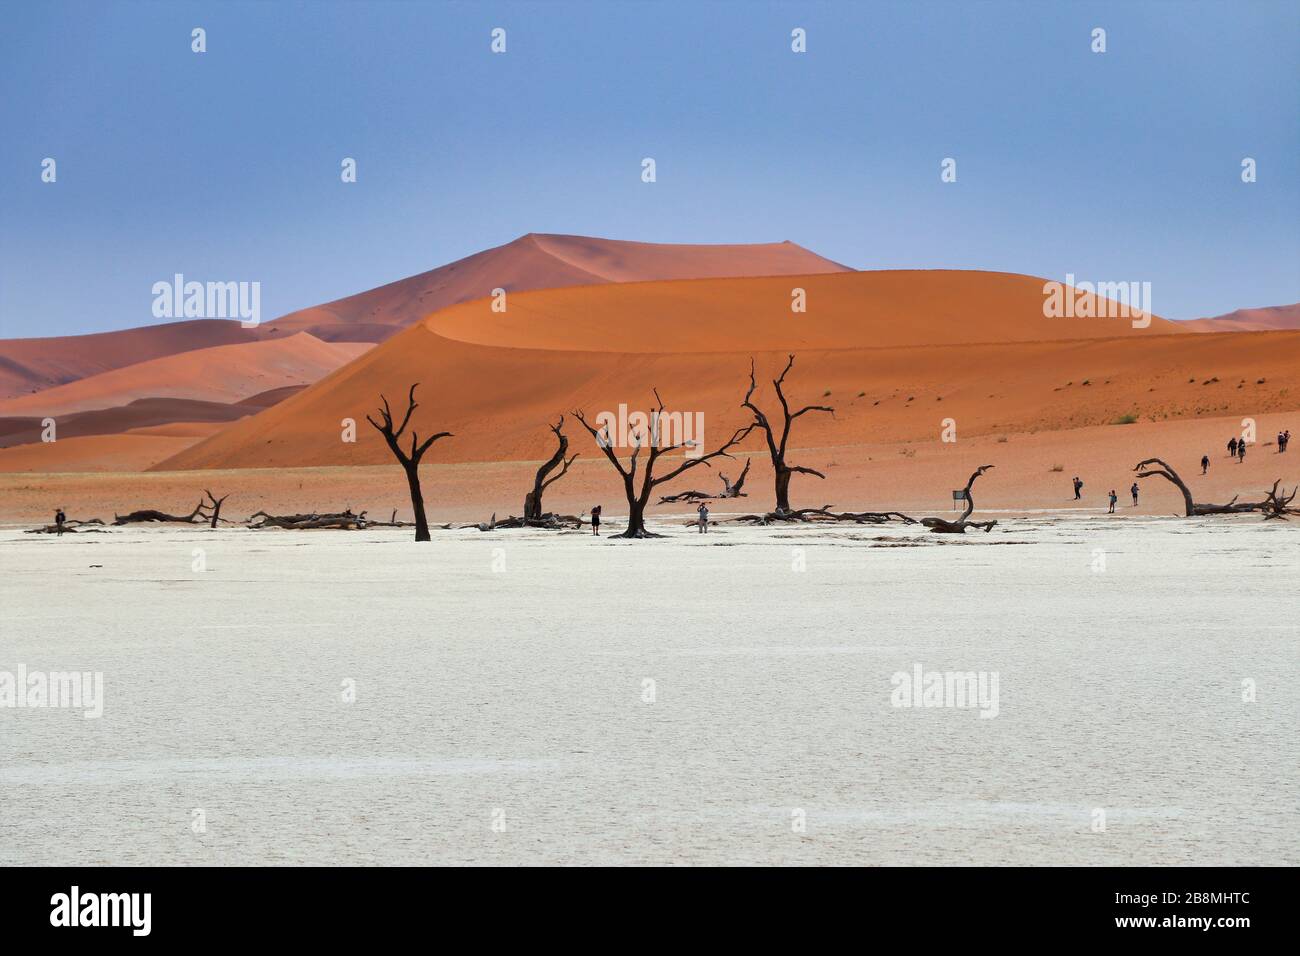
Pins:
x,y
1113,498
1236,449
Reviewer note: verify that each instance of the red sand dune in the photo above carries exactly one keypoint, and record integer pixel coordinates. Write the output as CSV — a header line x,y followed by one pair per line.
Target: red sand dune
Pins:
x,y
223,373
530,262
155,414
128,451
895,352
29,365
1273,318
542,262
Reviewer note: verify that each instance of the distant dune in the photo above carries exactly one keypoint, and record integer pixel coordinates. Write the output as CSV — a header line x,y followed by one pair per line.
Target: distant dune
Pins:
x,y
155,414
532,262
895,352
125,452
1273,318
542,262
29,365
223,373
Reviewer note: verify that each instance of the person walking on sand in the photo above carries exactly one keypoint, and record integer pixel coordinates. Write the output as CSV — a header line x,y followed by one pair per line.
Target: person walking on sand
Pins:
x,y
1232,447
59,519
703,511
1205,463
1078,487
1113,498
1134,492
1241,451
595,521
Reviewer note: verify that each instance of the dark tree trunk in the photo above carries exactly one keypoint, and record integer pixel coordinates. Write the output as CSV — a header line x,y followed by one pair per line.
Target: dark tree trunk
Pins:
x,y
216,506
635,520
417,501
533,500
782,487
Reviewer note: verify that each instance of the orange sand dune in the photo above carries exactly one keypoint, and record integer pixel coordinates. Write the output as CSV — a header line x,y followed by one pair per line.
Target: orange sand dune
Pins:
x,y
29,365
223,373
540,262
1274,318
126,452
142,413
844,310
880,355
529,262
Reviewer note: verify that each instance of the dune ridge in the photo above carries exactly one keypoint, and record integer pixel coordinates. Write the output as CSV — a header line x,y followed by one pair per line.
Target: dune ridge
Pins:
x,y
1271,318
890,360
223,373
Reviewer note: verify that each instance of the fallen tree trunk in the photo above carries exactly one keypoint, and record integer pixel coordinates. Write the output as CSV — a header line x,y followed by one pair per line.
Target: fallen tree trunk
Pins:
x,y
68,527
149,514
547,522
822,514
944,526
341,520
1278,503
1191,507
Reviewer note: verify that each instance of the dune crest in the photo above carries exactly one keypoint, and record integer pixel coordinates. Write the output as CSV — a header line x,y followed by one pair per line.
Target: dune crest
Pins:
x,y
223,373
1269,319
895,353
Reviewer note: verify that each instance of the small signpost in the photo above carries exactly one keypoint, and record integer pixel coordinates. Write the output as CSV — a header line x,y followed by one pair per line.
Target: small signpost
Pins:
x,y
958,496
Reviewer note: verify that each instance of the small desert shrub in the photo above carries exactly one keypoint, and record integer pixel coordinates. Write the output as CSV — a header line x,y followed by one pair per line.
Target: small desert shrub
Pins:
x,y
1128,419
1002,439
907,452
1058,468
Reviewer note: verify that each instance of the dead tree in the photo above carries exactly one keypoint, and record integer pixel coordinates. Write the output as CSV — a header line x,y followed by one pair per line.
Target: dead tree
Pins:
x,y
71,526
691,496
341,520
823,514
199,513
733,491
1278,503
728,490
216,506
638,498
1191,507
944,526
410,461
533,500
777,447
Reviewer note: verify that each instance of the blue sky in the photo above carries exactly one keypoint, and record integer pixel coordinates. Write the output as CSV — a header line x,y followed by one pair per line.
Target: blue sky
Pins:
x,y
225,165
